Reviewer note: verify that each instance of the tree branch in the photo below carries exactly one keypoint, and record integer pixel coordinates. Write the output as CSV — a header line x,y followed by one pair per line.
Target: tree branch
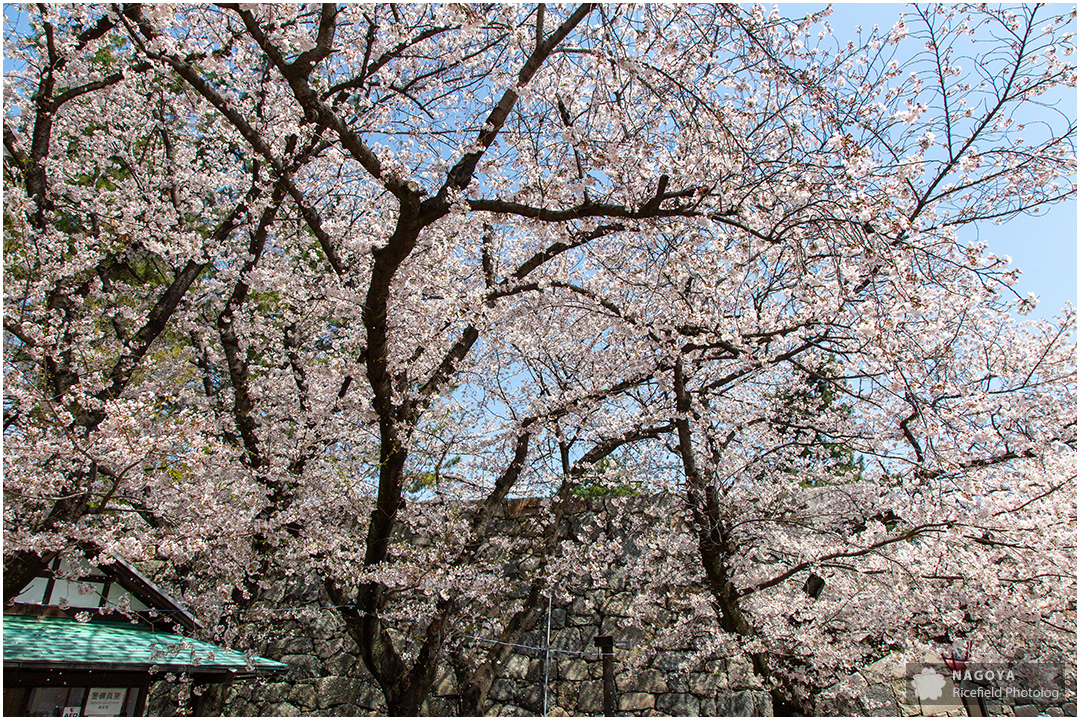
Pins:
x,y
914,532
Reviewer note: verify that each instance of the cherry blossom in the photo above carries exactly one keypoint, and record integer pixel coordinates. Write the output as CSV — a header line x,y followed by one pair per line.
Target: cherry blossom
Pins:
x,y
317,289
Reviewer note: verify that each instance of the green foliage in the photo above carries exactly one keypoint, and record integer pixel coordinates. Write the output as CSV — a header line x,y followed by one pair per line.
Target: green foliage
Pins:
x,y
608,479
589,489
428,479
798,411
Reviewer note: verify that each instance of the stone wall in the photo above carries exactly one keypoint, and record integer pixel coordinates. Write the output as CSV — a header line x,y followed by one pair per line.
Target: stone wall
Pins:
x,y
326,677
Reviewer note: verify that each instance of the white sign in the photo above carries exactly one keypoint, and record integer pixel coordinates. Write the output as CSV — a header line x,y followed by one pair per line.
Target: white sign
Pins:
x,y
72,711
106,702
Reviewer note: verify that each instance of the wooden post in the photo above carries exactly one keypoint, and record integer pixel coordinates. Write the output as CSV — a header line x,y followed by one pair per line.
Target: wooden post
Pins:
x,y
606,643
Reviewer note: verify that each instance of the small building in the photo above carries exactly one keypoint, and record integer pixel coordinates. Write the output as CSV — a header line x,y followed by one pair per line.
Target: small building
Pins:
x,y
82,641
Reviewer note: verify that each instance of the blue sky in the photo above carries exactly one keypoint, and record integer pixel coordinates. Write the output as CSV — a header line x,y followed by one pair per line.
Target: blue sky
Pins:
x,y
1043,247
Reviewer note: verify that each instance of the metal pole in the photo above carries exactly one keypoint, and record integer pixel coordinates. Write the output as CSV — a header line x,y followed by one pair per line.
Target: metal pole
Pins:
x,y
606,643
547,653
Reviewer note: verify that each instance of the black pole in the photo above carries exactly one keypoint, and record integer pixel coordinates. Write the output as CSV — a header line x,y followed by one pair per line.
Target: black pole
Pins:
x,y
972,700
606,643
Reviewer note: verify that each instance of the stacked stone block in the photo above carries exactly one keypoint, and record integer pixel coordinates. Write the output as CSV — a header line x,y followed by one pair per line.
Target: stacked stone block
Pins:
x,y
327,678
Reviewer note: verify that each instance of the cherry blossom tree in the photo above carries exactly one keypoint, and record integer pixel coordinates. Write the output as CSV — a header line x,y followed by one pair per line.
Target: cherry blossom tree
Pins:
x,y
287,287
937,380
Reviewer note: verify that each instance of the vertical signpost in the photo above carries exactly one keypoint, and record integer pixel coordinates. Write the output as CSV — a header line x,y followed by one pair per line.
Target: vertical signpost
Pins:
x,y
547,653
606,643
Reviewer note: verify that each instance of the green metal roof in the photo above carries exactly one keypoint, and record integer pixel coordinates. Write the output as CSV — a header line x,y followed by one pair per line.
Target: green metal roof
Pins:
x,y
47,643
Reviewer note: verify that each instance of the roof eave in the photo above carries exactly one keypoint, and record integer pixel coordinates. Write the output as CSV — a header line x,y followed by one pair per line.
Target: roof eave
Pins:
x,y
156,669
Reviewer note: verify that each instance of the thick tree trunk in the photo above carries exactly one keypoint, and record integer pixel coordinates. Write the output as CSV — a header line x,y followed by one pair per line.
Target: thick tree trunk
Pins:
x,y
473,699
406,705
404,687
714,540
715,546
475,689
